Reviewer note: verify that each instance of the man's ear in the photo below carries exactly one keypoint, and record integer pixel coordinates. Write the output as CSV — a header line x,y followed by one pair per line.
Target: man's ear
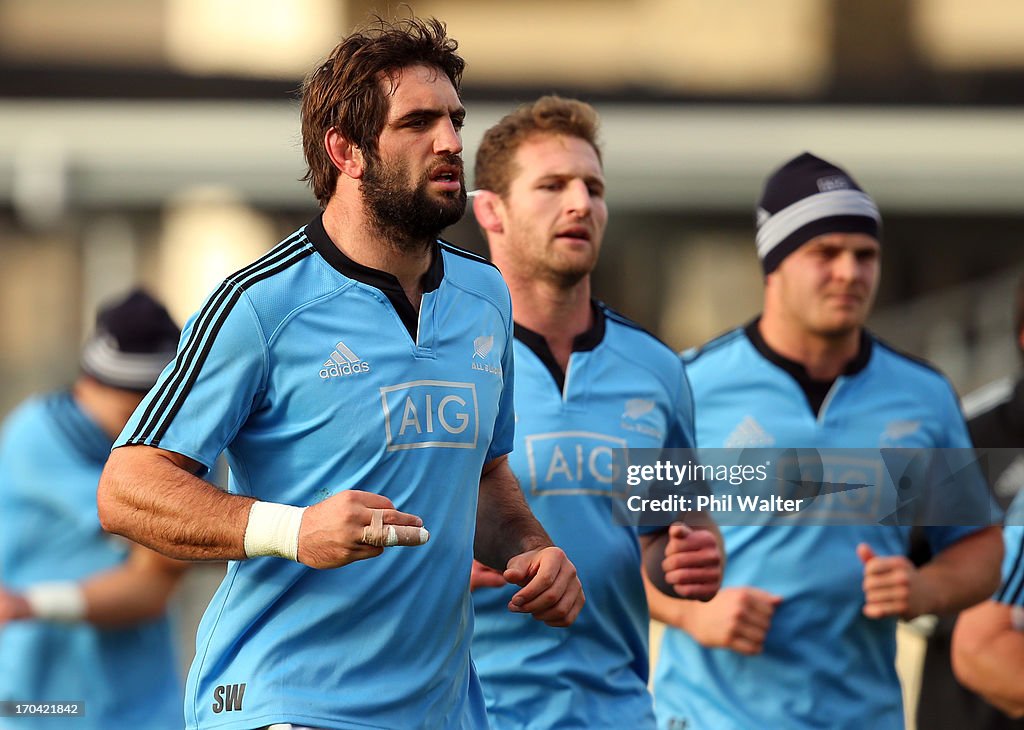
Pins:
x,y
345,155
489,210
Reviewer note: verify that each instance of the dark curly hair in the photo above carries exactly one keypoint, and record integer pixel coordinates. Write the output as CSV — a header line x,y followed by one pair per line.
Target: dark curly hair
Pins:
x,y
345,91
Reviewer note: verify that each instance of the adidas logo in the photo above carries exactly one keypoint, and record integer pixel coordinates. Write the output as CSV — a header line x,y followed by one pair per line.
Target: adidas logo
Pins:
x,y
749,434
343,362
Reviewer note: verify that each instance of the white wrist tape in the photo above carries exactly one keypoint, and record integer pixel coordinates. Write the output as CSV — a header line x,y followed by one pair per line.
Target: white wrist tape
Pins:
x,y
62,601
273,529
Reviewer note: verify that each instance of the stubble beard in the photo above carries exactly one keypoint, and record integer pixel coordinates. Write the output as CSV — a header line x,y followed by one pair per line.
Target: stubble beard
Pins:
x,y
566,276
538,260
835,331
408,217
568,271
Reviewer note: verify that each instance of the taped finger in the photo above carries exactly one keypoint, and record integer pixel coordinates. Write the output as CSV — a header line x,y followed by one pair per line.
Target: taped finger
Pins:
x,y
380,535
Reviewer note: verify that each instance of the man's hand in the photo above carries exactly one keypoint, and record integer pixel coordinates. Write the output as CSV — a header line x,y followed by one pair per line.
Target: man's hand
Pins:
x,y
891,586
484,577
693,562
551,591
334,532
13,607
737,618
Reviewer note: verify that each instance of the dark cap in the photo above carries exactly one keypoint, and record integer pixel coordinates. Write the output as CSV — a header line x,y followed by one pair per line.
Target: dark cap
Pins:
x,y
133,341
809,197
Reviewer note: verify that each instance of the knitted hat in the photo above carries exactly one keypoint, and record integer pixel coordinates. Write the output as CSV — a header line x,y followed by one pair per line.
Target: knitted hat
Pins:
x,y
133,341
808,197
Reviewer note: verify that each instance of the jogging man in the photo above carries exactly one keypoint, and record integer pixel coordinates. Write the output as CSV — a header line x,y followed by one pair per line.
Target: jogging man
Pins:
x,y
358,378
83,616
802,633
588,381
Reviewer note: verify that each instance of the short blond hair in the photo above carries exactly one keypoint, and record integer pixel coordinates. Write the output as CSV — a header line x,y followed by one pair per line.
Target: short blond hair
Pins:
x,y
495,160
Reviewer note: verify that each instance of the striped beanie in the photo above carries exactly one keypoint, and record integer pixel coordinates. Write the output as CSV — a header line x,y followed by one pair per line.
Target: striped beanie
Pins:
x,y
134,340
808,197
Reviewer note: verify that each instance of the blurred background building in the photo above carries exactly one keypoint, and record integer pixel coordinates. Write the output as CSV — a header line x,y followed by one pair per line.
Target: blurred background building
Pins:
x,y
158,141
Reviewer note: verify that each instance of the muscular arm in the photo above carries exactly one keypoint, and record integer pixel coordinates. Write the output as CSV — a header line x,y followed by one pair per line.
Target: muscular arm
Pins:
x,y
510,539
963,574
133,592
688,563
151,496
670,611
505,526
136,591
687,560
737,618
988,655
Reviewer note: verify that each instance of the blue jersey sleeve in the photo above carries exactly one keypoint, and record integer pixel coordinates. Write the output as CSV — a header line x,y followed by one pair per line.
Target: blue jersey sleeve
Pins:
x,y
504,425
1012,589
974,497
205,395
683,433
957,435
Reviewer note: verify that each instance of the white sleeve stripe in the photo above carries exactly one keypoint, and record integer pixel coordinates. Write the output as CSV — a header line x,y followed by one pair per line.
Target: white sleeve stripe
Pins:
x,y
799,214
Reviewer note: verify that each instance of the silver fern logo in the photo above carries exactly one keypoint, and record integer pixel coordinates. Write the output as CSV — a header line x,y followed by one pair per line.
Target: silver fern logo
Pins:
x,y
639,416
897,432
637,407
482,346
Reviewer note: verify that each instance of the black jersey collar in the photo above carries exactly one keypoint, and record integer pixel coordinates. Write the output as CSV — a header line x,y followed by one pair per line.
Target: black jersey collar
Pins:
x,y
583,342
386,282
815,390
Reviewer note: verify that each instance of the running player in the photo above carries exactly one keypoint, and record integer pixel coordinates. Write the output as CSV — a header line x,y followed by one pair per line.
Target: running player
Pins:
x,y
802,634
358,378
83,616
588,381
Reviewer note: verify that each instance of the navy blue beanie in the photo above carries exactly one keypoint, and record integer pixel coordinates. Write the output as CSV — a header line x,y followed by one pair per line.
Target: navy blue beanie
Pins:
x,y
133,341
809,197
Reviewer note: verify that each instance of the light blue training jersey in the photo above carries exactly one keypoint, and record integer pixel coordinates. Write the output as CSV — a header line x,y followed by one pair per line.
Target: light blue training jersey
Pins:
x,y
315,375
824,664
622,389
51,456
1012,589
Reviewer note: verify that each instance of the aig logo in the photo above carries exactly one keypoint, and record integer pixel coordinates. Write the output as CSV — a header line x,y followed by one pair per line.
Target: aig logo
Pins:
x,y
840,486
430,413
572,462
